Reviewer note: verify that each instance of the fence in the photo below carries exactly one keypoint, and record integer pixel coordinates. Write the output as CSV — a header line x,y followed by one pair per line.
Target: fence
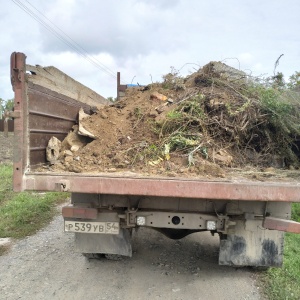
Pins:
x,y
10,125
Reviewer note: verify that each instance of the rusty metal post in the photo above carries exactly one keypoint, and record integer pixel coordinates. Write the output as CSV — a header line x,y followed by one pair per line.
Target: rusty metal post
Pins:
x,y
118,85
121,88
17,72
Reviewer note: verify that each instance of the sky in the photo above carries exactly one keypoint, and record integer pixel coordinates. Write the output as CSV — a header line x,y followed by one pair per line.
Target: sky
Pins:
x,y
90,40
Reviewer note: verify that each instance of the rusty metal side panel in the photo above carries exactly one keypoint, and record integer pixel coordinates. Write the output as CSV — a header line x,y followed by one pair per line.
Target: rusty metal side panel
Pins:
x,y
56,80
40,114
50,114
17,73
38,144
68,106
163,187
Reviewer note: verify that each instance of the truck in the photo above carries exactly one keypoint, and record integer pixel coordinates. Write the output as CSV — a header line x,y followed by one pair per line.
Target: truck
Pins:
x,y
249,216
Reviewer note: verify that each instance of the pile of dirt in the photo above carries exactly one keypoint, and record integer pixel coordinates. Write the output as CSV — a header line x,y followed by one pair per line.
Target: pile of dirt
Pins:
x,y
204,124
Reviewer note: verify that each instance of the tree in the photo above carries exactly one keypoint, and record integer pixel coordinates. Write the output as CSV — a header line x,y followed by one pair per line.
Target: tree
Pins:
x,y
2,108
6,105
111,99
278,81
294,82
9,105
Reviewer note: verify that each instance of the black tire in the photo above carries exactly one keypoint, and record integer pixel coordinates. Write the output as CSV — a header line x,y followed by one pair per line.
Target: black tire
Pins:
x,y
115,257
93,255
260,268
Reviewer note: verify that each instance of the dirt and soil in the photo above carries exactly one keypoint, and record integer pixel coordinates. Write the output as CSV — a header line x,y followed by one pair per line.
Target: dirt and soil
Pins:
x,y
209,124
45,266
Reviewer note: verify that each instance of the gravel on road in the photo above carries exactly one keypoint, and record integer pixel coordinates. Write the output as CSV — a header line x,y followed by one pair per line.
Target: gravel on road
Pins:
x,y
45,266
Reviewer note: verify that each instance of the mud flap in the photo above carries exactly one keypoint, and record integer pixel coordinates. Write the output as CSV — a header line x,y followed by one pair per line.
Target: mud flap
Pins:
x,y
119,244
252,245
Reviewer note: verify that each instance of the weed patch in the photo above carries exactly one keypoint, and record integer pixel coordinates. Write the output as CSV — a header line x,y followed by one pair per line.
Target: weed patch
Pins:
x,y
5,182
22,214
284,283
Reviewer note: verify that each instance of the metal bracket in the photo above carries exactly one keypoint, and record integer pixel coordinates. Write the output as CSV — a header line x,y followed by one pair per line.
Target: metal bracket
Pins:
x,y
227,226
174,220
62,186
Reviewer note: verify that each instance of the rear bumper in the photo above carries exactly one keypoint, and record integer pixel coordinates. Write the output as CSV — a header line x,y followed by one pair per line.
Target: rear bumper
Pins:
x,y
281,225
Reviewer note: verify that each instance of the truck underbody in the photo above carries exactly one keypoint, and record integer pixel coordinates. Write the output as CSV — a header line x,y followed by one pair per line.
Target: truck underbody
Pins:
x,y
249,216
243,239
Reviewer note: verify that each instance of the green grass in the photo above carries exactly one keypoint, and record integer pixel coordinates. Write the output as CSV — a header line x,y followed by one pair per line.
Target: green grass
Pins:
x,y
284,283
296,212
5,182
22,214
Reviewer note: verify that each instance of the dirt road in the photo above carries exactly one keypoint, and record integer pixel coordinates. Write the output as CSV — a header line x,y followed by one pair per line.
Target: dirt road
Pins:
x,y
45,266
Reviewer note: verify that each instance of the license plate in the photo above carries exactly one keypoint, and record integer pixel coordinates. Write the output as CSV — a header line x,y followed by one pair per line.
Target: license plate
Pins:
x,y
92,227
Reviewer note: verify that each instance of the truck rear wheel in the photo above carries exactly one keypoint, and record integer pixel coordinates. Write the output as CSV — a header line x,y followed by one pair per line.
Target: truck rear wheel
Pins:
x,y
115,257
93,255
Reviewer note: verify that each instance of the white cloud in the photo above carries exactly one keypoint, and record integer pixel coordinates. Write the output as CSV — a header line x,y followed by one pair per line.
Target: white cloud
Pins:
x,y
139,37
257,69
246,58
